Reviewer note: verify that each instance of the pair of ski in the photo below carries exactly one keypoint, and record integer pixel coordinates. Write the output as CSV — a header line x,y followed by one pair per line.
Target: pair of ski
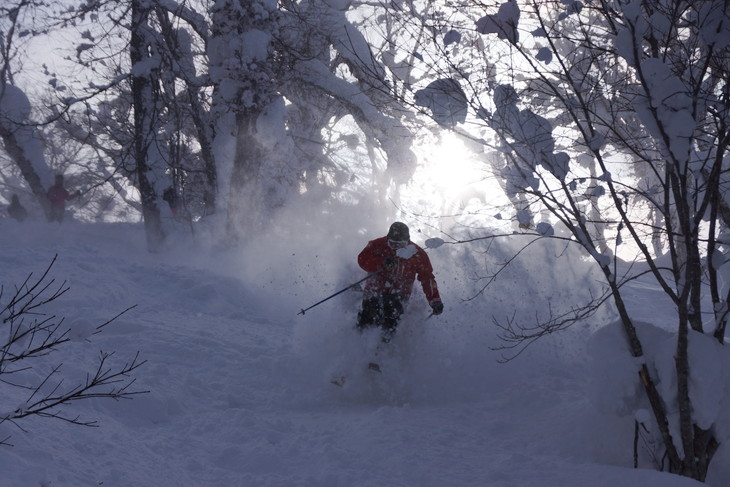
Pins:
x,y
342,380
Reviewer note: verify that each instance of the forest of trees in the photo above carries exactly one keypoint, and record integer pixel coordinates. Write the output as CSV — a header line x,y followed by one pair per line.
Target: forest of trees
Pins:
x,y
605,123
233,107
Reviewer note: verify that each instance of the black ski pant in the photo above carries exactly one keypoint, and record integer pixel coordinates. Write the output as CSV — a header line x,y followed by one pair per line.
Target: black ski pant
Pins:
x,y
383,311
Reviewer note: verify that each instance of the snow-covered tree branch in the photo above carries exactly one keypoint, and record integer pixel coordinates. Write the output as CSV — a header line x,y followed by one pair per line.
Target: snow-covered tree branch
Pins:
x,y
612,119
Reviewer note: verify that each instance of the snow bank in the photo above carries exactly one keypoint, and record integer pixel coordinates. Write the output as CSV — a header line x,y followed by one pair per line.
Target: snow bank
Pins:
x,y
240,391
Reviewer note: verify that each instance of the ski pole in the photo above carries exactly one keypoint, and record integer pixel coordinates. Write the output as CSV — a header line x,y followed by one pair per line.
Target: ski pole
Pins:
x,y
338,292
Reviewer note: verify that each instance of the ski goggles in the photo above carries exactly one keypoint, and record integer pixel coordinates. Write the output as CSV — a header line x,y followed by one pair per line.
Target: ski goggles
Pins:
x,y
397,244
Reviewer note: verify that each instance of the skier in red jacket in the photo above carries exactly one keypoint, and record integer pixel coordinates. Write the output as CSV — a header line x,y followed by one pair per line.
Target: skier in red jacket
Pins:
x,y
398,262
58,196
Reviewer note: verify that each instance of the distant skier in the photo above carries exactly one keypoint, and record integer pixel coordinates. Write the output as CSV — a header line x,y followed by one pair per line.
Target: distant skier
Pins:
x,y
16,210
170,195
398,262
58,195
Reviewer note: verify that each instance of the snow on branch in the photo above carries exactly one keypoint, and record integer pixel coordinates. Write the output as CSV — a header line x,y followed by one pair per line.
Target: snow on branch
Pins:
x,y
445,99
503,23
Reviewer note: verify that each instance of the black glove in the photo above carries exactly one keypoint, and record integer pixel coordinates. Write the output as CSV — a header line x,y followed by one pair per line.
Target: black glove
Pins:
x,y
389,264
437,306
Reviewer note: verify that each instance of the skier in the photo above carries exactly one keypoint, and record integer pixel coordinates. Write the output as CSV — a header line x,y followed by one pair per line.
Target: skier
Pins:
x,y
16,210
58,196
397,262
170,195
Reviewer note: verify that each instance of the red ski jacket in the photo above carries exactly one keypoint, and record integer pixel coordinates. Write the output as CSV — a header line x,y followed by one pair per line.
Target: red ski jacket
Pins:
x,y
58,195
412,262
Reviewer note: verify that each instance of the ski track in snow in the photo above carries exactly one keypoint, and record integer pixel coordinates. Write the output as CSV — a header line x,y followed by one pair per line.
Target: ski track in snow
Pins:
x,y
240,393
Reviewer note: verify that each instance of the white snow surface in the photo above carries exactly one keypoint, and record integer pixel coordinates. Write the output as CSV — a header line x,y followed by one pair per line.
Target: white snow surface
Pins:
x,y
239,383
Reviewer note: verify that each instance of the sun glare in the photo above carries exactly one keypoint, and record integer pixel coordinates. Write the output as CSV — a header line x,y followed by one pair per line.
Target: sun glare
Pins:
x,y
450,177
450,166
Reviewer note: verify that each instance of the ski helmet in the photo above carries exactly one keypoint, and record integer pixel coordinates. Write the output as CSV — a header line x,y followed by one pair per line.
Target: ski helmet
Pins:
x,y
399,232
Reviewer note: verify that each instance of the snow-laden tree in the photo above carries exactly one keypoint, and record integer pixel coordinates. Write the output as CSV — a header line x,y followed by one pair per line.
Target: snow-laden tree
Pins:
x,y
612,117
292,83
20,139
238,107
22,142
240,56
134,104
337,81
33,145
145,65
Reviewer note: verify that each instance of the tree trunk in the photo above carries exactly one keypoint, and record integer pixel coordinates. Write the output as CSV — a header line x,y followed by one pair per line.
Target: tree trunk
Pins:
x,y
198,114
17,154
144,132
244,205
655,400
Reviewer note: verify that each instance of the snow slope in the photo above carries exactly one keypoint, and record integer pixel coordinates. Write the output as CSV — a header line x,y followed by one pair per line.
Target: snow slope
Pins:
x,y
239,383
